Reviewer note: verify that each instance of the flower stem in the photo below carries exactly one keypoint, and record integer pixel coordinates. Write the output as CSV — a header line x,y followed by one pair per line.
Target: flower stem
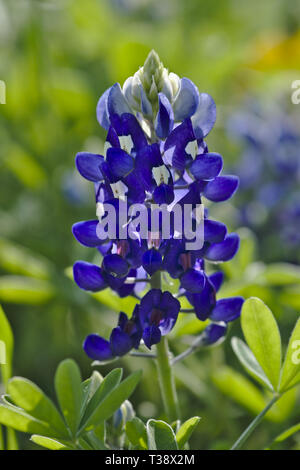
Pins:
x,y
165,371
252,426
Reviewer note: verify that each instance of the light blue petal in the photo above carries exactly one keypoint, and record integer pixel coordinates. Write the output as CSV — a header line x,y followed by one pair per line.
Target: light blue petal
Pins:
x,y
205,116
116,102
101,110
186,101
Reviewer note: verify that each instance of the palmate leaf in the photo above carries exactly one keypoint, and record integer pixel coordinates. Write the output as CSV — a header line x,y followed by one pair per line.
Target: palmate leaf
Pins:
x,y
248,360
291,366
160,436
108,384
69,392
112,401
262,335
28,396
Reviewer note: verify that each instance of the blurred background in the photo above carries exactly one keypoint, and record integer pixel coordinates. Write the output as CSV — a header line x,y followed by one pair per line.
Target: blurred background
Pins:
x,y
56,59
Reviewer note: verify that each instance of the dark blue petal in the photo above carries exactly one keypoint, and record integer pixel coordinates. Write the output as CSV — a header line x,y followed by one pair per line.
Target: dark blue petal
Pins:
x,y
88,276
216,279
165,117
102,112
176,143
203,302
88,165
97,348
214,231
120,163
206,166
115,265
151,335
193,281
186,101
127,124
120,342
225,250
213,333
152,260
205,116
227,309
116,102
163,194
123,319
85,233
112,138
221,188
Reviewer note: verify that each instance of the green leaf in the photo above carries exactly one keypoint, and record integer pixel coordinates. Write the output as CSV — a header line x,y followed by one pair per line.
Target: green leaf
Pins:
x,y
239,389
186,430
136,433
281,274
160,436
262,335
247,359
291,366
25,290
19,260
31,398
48,443
109,383
287,433
69,392
21,421
6,348
113,400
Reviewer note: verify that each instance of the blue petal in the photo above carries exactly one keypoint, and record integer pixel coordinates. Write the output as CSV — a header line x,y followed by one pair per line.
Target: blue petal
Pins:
x,y
120,163
88,276
97,348
214,231
163,194
120,342
203,302
116,102
165,117
88,165
193,281
225,250
152,260
227,309
176,143
186,101
151,335
85,233
127,124
115,265
101,111
206,166
213,333
216,279
221,188
205,116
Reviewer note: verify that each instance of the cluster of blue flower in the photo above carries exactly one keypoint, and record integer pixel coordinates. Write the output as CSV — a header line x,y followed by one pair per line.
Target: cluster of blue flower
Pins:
x,y
155,153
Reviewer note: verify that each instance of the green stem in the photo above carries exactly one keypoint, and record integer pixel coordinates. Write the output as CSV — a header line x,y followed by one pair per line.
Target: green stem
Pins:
x,y
252,426
165,371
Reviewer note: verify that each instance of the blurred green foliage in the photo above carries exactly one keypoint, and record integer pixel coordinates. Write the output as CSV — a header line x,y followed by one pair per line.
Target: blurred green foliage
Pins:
x,y
56,58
